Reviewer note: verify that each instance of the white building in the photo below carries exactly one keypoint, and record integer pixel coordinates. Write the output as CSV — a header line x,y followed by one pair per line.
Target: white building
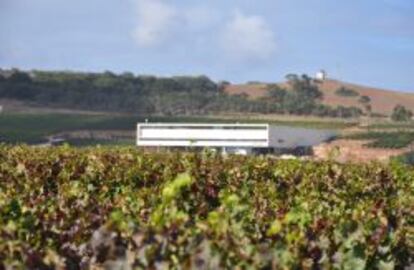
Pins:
x,y
321,75
231,138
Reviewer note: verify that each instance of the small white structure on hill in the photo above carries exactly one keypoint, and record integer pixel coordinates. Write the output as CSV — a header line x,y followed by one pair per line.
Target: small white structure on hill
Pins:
x,y
230,138
321,75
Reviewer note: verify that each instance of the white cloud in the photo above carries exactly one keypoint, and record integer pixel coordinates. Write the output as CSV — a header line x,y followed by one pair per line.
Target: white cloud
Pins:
x,y
155,22
247,38
240,37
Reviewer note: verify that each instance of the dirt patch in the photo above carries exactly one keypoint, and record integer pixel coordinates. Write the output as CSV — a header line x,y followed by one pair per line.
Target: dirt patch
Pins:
x,y
354,151
11,105
251,90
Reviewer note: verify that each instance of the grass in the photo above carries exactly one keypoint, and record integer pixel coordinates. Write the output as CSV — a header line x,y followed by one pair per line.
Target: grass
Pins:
x,y
291,120
392,125
407,158
34,128
392,140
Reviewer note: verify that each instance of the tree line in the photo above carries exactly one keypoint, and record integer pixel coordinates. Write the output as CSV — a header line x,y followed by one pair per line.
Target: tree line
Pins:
x,y
182,95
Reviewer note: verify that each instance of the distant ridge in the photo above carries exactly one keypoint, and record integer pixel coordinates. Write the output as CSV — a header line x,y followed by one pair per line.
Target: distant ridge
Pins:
x,y
382,101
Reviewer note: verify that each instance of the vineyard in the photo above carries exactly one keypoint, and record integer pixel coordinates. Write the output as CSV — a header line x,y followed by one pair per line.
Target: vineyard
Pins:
x,y
391,140
119,208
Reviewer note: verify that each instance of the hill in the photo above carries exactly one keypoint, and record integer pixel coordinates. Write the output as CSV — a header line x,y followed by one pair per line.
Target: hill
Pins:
x,y
186,95
382,101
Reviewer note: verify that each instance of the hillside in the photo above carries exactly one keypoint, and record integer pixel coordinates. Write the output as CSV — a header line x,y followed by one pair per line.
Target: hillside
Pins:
x,y
149,95
382,101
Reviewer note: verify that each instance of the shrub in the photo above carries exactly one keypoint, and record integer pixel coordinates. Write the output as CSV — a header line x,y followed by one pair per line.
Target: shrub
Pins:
x,y
407,158
401,114
393,140
364,99
346,92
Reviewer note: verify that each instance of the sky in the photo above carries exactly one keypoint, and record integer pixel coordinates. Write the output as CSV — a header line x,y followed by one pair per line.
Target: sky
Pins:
x,y
370,42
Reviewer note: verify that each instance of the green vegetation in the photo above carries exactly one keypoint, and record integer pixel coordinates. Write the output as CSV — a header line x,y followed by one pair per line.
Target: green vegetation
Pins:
x,y
346,92
110,92
303,99
364,99
106,208
407,158
34,128
392,125
149,95
382,139
401,114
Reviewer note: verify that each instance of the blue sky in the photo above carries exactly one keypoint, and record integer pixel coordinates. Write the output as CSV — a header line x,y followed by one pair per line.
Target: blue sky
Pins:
x,y
363,41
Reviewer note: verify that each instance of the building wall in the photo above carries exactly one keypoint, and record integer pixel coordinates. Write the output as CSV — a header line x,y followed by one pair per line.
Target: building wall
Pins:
x,y
283,137
321,75
203,135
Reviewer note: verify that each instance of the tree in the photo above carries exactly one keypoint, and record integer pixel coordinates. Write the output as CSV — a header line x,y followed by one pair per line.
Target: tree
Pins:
x,y
222,85
276,93
346,92
368,109
181,95
401,114
20,77
364,99
304,87
292,77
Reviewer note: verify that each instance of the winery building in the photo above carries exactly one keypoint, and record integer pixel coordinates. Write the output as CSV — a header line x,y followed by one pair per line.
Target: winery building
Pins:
x,y
231,138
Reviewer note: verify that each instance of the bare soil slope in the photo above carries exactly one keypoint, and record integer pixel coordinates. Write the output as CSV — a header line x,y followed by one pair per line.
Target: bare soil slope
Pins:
x,y
382,101
355,151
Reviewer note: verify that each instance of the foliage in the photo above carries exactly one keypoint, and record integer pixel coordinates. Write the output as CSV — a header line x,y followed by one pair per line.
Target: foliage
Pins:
x,y
304,87
34,128
346,92
364,99
155,95
392,125
303,98
401,114
106,208
110,92
407,158
399,139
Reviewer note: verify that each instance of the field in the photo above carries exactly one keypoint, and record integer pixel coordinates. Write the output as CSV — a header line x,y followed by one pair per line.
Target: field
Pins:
x,y
108,208
33,128
392,140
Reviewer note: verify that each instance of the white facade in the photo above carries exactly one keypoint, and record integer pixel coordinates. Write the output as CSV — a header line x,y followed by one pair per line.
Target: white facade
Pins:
x,y
242,139
203,135
321,75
